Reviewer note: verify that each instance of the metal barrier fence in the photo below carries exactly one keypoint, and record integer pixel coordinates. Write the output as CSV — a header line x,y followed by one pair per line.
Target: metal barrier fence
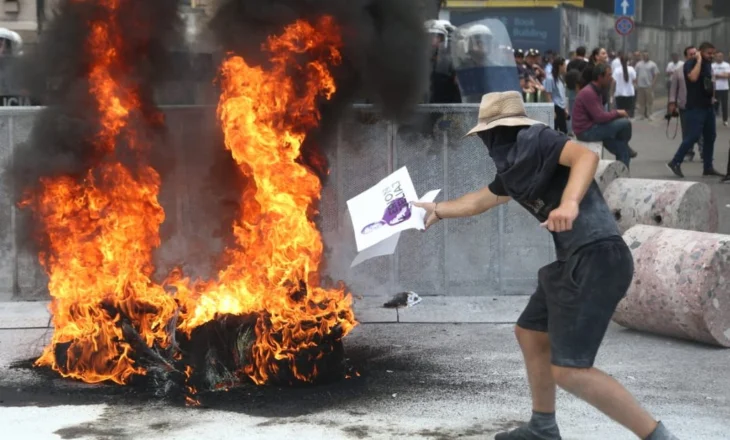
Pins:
x,y
497,253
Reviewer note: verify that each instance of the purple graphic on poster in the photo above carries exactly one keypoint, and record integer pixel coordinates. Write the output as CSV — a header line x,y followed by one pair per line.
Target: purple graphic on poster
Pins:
x,y
397,211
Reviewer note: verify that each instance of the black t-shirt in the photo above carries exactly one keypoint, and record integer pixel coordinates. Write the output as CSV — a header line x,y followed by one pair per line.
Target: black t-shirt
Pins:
x,y
699,93
577,64
529,171
574,73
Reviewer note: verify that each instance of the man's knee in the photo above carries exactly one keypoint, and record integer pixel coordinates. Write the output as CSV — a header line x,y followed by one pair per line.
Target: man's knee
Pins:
x,y
531,339
567,377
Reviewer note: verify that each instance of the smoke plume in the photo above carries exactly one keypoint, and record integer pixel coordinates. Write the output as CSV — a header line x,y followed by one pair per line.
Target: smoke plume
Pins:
x,y
384,45
62,139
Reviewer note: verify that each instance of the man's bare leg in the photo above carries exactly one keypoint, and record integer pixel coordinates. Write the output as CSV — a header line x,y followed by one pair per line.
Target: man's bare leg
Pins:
x,y
608,395
536,352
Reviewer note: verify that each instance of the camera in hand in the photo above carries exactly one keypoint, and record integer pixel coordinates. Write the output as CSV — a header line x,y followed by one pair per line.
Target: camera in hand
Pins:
x,y
670,115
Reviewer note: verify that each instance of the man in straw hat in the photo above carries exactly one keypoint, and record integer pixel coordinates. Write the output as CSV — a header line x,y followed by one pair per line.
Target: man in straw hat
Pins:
x,y
566,318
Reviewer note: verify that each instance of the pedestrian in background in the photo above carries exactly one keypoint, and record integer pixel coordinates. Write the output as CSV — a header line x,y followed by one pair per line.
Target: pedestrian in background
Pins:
x,y
625,87
671,67
678,99
616,62
721,73
635,58
699,114
555,90
591,121
647,73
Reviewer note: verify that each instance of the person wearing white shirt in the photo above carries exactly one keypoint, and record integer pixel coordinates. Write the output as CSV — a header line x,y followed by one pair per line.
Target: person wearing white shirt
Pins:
x,y
624,78
671,67
721,74
616,62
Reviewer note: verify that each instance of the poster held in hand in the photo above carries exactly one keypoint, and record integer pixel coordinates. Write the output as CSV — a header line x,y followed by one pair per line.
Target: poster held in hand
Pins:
x,y
382,212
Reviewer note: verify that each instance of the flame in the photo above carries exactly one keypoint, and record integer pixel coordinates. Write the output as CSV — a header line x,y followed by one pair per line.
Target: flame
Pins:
x,y
100,232
272,270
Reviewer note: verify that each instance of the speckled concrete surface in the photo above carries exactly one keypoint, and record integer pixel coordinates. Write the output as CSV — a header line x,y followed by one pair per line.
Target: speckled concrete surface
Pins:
x,y
436,382
681,285
608,171
665,203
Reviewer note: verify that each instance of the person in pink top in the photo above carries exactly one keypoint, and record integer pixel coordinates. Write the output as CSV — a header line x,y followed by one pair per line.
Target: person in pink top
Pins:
x,y
592,123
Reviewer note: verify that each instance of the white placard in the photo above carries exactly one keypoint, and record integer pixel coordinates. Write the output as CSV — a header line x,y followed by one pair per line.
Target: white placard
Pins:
x,y
382,212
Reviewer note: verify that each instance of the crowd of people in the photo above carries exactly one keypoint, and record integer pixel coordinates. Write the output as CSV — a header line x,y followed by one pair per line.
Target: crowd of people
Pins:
x,y
597,97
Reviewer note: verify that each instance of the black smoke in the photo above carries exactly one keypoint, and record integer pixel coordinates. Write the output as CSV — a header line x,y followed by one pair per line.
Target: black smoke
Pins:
x,y
62,141
384,44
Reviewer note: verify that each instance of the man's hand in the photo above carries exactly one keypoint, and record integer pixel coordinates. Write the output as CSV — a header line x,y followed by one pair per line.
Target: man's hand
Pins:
x,y
698,56
622,113
672,108
561,218
430,212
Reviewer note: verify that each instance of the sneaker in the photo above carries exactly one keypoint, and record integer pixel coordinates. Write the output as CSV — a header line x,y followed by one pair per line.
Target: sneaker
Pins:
x,y
632,153
725,179
725,123
711,173
675,168
523,433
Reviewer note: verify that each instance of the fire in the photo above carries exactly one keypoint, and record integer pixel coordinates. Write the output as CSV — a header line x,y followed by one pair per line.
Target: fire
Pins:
x,y
265,115
100,229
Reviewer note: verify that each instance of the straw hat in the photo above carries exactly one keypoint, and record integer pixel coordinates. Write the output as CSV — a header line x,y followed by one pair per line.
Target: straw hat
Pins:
x,y
501,108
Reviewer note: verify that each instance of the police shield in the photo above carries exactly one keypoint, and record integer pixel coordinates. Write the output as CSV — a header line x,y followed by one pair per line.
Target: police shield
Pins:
x,y
483,58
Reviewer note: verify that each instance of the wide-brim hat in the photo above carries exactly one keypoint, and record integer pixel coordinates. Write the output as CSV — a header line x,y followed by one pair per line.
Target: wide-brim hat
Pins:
x,y
501,109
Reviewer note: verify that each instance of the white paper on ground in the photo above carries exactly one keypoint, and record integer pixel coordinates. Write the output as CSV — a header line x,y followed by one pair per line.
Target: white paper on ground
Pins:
x,y
382,212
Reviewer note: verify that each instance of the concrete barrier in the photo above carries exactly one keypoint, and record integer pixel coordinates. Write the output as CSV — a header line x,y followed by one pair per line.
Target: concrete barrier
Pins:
x,y
596,147
493,254
608,171
665,203
681,285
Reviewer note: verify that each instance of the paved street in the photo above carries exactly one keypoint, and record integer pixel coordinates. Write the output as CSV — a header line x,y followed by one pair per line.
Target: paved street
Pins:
x,y
419,381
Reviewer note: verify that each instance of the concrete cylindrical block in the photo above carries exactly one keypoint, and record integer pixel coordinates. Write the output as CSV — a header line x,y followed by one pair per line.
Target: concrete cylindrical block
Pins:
x,y
596,147
665,203
608,171
681,285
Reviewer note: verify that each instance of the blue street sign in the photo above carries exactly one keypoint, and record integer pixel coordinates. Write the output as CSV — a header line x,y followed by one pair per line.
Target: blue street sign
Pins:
x,y
624,26
624,8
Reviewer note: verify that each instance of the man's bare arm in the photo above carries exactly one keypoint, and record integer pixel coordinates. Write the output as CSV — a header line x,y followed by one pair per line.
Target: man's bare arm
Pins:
x,y
694,74
473,203
470,204
583,164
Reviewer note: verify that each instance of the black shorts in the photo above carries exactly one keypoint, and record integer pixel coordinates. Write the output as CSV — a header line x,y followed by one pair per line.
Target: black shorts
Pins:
x,y
575,300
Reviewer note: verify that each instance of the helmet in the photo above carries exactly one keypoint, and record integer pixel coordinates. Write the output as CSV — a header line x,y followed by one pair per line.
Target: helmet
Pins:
x,y
476,35
519,53
478,30
441,27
